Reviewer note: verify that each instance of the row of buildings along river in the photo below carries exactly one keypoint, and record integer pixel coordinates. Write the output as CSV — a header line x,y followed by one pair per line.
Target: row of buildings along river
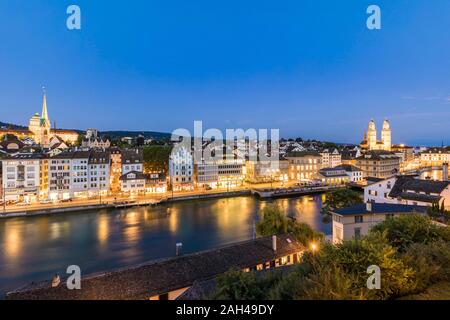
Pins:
x,y
41,164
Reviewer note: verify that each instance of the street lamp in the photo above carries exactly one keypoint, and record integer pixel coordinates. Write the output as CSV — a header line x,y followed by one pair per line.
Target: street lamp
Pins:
x,y
314,247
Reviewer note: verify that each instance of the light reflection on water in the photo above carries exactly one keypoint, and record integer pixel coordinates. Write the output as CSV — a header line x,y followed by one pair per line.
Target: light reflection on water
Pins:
x,y
432,175
35,248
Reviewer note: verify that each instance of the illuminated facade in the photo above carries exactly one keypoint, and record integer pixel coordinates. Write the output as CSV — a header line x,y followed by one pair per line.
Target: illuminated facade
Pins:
x,y
181,169
266,171
379,164
80,174
333,176
40,126
303,165
226,173
370,141
330,159
39,129
435,157
25,177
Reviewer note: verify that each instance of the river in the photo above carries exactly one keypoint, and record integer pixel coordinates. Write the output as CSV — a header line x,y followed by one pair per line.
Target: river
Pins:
x,y
35,248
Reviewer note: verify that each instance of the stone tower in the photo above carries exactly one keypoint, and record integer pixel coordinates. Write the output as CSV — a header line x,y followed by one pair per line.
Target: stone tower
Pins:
x,y
371,136
386,136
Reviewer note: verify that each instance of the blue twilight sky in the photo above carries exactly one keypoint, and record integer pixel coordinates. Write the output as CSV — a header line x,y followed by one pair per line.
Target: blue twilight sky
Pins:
x,y
308,67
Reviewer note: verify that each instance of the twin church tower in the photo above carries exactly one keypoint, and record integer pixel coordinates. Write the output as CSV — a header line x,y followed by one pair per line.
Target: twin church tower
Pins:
x,y
370,141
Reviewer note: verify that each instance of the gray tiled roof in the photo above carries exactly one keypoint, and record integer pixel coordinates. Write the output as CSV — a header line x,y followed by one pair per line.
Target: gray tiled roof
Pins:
x,y
348,168
138,176
418,185
132,156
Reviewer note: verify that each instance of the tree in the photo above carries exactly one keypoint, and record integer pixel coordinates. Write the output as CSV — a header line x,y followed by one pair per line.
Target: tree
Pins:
x,y
340,199
79,140
274,222
156,158
239,285
406,230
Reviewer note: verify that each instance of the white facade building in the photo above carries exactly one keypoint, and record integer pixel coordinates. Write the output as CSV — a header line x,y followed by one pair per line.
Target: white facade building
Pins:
x,y
181,169
435,157
409,191
132,160
59,176
226,173
133,182
355,174
79,174
330,159
24,177
99,171
356,221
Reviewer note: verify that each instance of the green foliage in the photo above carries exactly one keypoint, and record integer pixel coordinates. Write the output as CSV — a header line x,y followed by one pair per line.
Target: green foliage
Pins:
x,y
406,230
156,158
120,144
412,253
340,199
239,285
274,222
353,258
430,262
439,213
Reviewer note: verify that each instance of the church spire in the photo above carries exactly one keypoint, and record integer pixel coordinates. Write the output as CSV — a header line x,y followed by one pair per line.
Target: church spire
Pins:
x,y
44,105
44,116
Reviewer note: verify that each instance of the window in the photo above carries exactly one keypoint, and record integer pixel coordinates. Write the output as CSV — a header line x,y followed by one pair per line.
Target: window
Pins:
x,y
358,219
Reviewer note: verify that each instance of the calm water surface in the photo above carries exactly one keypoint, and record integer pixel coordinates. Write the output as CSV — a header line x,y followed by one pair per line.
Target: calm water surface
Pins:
x,y
35,248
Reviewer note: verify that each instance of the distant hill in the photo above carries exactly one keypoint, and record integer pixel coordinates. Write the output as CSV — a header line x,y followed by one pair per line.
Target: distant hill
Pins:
x,y
11,126
113,135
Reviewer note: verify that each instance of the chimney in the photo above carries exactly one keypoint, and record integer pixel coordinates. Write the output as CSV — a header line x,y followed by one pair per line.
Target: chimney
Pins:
x,y
445,171
274,243
179,248
369,206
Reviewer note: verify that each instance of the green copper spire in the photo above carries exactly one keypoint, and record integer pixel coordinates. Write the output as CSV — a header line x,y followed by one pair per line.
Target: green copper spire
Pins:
x,y
44,115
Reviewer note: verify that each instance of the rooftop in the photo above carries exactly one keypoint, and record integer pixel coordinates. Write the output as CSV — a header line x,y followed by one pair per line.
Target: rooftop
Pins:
x,y
297,154
348,168
410,188
133,175
378,155
380,208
